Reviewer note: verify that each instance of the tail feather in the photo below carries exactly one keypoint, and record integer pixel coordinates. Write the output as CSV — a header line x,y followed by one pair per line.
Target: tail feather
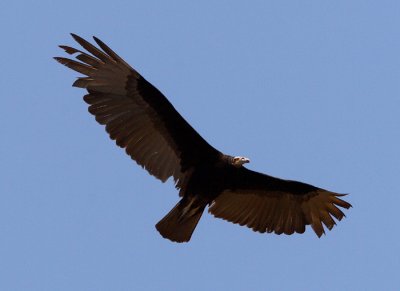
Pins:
x,y
178,225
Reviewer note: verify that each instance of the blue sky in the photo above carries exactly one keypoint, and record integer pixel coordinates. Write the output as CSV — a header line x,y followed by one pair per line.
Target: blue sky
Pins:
x,y
308,90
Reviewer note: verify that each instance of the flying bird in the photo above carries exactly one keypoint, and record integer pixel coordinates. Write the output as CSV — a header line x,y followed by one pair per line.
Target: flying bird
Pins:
x,y
142,121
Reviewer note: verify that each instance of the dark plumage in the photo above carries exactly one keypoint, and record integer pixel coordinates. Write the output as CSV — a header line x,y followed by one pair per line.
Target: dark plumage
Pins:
x,y
143,122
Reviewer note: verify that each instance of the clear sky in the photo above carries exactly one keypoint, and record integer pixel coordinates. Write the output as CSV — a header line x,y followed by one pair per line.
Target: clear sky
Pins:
x,y
308,90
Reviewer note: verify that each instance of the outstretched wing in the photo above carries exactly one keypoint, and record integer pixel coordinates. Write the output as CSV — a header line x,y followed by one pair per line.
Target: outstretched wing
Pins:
x,y
136,115
268,204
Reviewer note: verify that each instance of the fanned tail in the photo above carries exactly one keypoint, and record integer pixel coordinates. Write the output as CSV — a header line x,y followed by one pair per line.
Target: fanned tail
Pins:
x,y
178,225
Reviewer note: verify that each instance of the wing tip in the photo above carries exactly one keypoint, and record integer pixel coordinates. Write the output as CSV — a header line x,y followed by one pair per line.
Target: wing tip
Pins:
x,y
96,39
341,202
61,60
75,36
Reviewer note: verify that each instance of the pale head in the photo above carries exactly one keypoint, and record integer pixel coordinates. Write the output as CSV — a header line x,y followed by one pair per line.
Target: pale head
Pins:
x,y
239,161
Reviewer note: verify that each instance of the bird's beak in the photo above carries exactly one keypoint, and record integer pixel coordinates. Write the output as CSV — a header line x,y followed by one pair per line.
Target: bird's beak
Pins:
x,y
246,161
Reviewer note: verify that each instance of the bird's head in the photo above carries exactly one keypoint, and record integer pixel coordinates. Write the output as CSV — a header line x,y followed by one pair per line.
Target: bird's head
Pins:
x,y
239,161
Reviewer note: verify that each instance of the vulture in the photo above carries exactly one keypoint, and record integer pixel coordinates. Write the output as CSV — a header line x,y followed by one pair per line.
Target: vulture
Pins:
x,y
142,121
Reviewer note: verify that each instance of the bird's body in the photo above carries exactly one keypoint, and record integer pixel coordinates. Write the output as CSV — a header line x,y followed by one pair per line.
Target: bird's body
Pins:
x,y
143,122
